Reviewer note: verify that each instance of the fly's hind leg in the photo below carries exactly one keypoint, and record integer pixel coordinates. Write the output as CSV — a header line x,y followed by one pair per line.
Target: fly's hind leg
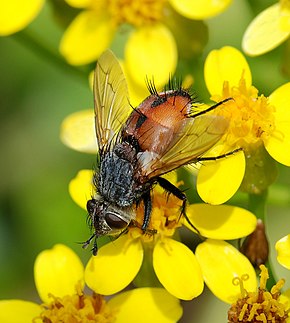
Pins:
x,y
167,186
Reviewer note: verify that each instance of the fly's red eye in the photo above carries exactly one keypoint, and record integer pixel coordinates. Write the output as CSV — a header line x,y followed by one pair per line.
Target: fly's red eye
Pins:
x,y
114,221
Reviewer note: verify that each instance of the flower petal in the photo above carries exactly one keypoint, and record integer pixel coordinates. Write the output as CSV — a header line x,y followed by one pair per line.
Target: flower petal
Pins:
x,y
86,38
222,222
160,306
264,32
58,271
225,64
221,263
78,131
115,266
278,144
177,269
151,51
17,14
17,311
200,9
283,251
81,187
218,181
137,92
79,3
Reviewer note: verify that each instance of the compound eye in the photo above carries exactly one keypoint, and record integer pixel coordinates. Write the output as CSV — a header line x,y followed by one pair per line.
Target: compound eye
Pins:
x,y
114,221
91,205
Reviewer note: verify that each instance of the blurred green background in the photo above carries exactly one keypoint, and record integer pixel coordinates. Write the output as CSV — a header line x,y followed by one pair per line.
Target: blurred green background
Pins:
x,y
36,94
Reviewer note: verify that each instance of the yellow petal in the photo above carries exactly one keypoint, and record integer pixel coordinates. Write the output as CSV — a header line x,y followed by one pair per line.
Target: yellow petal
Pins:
x,y
137,92
200,9
177,269
17,14
79,3
264,32
81,187
17,311
115,266
278,144
160,306
223,222
78,131
58,271
86,38
225,64
218,181
283,251
151,52
220,263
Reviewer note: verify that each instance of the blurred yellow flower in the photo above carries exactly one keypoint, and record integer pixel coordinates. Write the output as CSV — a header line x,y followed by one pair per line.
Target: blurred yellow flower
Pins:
x,y
150,48
256,122
17,14
268,30
283,251
59,278
177,268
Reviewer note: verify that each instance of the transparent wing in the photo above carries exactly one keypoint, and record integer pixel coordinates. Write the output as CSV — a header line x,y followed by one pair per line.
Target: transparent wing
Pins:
x,y
112,106
196,138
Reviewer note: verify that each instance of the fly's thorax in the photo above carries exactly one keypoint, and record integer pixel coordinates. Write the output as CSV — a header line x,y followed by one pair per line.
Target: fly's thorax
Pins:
x,y
116,179
108,219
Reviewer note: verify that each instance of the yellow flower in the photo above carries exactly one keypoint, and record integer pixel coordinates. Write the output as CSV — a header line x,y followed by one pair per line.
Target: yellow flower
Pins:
x,y
268,30
150,48
178,269
17,14
283,251
257,123
261,305
59,278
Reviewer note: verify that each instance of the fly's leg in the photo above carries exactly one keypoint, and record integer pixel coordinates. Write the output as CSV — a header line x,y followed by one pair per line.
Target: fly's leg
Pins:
x,y
147,210
200,159
167,186
88,242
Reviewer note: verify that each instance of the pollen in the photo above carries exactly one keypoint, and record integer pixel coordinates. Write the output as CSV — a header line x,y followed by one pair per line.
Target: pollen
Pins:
x,y
76,308
251,116
135,12
285,4
261,306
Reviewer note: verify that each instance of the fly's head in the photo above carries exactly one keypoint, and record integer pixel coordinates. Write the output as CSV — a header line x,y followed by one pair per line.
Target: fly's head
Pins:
x,y
107,219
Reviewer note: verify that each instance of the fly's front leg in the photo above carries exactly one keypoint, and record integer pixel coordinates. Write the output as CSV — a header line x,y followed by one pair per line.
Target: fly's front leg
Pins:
x,y
167,186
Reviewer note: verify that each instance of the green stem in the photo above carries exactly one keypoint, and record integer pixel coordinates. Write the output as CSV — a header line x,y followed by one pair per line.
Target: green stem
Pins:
x,y
39,48
257,205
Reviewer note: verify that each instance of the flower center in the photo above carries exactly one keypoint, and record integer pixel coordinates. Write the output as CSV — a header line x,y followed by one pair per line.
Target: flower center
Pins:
x,y
165,217
251,116
260,306
135,12
77,308
285,4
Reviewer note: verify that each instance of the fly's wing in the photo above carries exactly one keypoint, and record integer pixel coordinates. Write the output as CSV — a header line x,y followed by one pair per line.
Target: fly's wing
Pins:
x,y
112,106
197,136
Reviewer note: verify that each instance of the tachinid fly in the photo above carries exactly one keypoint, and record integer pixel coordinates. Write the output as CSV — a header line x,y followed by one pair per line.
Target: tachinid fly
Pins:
x,y
138,146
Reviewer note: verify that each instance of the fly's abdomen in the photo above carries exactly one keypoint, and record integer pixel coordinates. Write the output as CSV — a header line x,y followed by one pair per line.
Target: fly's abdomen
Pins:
x,y
115,182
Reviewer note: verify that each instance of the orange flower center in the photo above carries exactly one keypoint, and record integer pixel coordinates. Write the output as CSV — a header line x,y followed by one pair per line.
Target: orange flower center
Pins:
x,y
251,116
135,12
77,308
260,306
